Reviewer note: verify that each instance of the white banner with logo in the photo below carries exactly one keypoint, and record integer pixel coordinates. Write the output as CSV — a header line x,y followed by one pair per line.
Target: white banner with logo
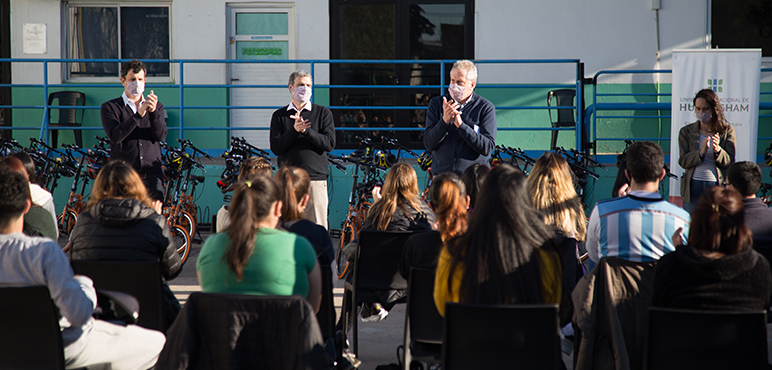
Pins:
x,y
734,75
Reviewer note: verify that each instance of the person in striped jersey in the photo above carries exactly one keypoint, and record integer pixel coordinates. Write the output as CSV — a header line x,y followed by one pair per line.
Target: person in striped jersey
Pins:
x,y
637,227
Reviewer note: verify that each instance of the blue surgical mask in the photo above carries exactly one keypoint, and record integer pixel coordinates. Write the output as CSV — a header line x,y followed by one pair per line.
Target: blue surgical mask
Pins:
x,y
704,117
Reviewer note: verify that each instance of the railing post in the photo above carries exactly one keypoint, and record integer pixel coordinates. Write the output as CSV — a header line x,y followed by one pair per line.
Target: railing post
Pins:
x,y
44,129
182,96
312,78
442,77
578,113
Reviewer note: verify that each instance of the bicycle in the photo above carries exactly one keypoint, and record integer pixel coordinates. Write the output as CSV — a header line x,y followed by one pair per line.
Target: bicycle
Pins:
x,y
359,199
66,220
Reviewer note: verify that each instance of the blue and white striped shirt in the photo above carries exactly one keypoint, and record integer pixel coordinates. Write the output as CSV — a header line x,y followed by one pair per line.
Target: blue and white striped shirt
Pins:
x,y
636,228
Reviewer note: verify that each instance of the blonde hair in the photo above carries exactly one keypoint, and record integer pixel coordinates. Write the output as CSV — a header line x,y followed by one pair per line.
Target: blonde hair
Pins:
x,y
118,180
554,197
399,187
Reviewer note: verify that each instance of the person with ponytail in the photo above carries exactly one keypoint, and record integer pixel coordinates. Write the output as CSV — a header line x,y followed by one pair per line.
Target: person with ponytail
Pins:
x,y
717,269
706,148
506,256
251,165
449,203
252,256
295,185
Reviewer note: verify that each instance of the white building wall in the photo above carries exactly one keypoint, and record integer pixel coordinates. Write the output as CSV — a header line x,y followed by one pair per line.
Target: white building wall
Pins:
x,y
604,34
35,11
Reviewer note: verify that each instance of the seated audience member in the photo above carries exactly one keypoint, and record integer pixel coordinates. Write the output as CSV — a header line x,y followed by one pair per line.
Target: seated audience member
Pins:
x,y
397,207
636,227
506,256
252,256
745,177
554,197
295,185
39,195
717,269
28,261
449,203
473,178
37,221
250,166
121,225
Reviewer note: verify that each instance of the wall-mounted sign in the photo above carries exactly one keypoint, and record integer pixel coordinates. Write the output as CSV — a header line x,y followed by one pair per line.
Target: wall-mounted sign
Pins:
x,y
262,50
34,38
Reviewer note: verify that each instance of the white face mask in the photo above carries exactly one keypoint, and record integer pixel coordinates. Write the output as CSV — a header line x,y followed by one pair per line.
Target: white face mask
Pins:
x,y
302,93
135,88
456,91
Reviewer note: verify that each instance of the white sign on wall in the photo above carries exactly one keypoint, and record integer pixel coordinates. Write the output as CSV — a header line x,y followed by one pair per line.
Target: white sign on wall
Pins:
x,y
734,75
34,36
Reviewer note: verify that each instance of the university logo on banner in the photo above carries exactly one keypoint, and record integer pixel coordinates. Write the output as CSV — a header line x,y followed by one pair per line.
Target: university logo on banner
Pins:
x,y
734,75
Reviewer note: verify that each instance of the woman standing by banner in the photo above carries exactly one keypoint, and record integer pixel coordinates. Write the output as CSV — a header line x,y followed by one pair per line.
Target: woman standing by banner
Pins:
x,y
707,148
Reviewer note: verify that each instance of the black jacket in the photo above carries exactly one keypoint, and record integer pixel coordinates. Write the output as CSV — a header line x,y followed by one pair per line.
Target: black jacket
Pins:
x,y
124,230
305,150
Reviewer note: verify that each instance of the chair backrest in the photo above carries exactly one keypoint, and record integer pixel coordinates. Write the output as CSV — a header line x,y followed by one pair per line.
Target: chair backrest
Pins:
x,y
326,314
30,337
139,279
66,116
425,321
563,97
377,259
691,339
501,337
240,331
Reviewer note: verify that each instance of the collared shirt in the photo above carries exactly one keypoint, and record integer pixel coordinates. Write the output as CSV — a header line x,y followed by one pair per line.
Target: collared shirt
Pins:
x,y
307,107
130,103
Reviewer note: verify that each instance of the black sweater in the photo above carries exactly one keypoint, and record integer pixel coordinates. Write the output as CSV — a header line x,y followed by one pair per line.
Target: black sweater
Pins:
x,y
304,150
738,282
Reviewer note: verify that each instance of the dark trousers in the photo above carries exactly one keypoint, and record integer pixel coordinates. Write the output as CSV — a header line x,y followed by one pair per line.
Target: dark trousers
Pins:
x,y
155,187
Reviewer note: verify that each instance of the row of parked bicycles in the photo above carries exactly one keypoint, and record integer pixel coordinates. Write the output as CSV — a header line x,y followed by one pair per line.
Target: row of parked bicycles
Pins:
x,y
82,166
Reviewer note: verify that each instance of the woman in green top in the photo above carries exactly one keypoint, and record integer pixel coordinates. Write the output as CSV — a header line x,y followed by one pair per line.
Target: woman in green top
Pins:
x,y
252,256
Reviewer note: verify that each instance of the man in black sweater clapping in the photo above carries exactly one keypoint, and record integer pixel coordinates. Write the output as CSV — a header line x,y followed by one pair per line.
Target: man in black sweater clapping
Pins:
x,y
301,134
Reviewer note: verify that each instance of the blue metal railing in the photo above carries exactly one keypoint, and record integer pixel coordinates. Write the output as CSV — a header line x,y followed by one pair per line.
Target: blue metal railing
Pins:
x,y
180,84
591,114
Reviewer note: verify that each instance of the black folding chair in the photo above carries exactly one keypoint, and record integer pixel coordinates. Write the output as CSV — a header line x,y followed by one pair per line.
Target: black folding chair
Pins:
x,y
501,337
376,267
67,117
142,280
692,339
565,116
423,323
30,337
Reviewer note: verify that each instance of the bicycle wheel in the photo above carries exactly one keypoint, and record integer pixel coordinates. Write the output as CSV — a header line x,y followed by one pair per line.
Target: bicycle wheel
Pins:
x,y
181,241
65,222
188,222
341,262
